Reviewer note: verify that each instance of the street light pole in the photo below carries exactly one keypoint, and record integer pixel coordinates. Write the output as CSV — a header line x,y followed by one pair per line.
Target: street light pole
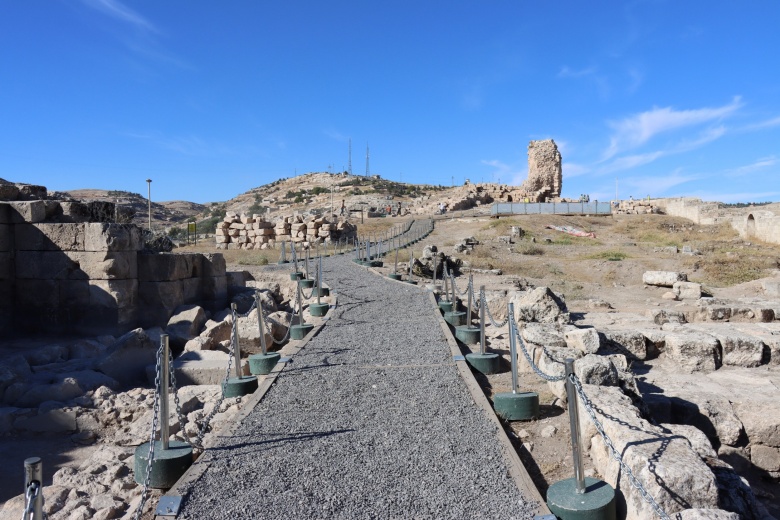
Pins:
x,y
149,198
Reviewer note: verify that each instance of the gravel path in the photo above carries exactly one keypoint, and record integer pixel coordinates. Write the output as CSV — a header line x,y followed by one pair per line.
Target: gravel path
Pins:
x,y
371,420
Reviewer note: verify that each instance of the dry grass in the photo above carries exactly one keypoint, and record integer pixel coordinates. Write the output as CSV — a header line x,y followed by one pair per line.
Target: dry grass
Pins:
x,y
611,255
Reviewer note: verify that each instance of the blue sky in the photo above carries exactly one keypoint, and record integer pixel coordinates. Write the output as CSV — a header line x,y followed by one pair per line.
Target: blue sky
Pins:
x,y
210,99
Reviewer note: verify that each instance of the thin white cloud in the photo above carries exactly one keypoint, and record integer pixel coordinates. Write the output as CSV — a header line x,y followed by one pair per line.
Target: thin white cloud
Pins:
x,y
631,161
192,145
656,185
638,129
567,72
770,123
759,164
119,11
574,170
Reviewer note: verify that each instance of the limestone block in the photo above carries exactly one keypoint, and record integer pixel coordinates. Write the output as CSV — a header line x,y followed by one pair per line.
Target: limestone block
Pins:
x,y
543,334
6,266
127,359
106,265
540,305
213,264
666,464
237,225
663,278
48,422
693,353
101,236
596,370
203,368
632,343
221,239
706,514
46,265
62,390
687,290
695,436
27,211
765,457
771,287
161,294
710,413
6,238
49,237
233,232
217,332
249,334
760,422
587,340
191,290
185,324
739,349
165,267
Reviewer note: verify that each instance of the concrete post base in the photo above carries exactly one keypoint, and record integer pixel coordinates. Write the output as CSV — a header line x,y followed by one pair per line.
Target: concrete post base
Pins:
x,y
597,503
240,386
306,284
296,275
445,307
300,331
262,364
467,334
323,293
318,310
167,466
487,363
394,276
522,406
455,318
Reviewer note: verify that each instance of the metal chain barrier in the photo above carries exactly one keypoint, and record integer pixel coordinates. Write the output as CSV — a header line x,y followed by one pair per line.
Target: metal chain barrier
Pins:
x,y
155,418
289,327
546,377
31,494
458,291
207,422
490,316
635,483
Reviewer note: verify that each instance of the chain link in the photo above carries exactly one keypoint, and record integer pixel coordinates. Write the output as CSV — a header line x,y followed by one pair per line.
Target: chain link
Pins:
x,y
528,358
490,316
155,417
31,495
615,454
458,291
207,422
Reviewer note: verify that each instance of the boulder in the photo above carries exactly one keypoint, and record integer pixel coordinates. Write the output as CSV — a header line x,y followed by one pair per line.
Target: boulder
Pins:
x,y
706,514
52,421
663,278
64,390
249,334
738,349
540,305
696,438
760,420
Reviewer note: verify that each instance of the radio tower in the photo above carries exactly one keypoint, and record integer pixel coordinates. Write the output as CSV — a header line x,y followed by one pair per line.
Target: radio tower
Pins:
x,y
367,170
350,156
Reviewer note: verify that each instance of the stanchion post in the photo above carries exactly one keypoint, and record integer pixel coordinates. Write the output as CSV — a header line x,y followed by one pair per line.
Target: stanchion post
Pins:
x,y
164,384
444,279
452,288
300,305
319,282
411,264
260,324
395,265
482,306
236,345
33,476
513,346
306,267
435,268
574,422
468,309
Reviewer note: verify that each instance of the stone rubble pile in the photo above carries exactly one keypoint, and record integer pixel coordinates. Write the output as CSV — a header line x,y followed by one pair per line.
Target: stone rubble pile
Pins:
x,y
635,207
253,232
671,440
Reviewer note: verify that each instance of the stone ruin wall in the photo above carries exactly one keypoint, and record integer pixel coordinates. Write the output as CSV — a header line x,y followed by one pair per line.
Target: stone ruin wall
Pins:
x,y
750,223
92,278
253,232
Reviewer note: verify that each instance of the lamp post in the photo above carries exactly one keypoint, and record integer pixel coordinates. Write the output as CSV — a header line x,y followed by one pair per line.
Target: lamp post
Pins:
x,y
149,198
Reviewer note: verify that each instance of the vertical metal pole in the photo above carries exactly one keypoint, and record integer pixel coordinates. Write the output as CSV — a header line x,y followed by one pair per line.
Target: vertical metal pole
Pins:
x,y
574,423
306,267
164,371
300,305
368,249
260,324
319,281
468,309
395,265
435,268
513,346
33,472
411,263
295,256
452,288
236,345
482,305
149,198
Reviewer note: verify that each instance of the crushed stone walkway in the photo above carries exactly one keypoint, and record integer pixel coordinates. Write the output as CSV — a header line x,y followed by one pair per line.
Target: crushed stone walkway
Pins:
x,y
371,420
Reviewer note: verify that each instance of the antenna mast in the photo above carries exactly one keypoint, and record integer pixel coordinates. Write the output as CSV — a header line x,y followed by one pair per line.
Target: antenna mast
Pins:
x,y
350,156
367,170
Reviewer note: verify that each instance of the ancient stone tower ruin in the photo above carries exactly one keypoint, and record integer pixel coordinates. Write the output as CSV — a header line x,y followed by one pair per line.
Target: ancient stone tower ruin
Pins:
x,y
545,175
